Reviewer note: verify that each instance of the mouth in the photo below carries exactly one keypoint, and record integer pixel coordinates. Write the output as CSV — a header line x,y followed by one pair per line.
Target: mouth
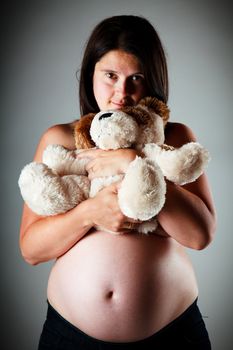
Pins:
x,y
119,105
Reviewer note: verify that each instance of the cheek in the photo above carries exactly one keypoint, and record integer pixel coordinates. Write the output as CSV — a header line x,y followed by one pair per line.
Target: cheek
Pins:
x,y
101,92
141,92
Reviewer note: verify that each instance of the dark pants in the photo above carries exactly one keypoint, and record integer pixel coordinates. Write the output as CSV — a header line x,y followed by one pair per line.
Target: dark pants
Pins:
x,y
187,332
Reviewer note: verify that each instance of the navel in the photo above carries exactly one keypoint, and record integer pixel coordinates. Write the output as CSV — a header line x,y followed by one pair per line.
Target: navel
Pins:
x,y
109,295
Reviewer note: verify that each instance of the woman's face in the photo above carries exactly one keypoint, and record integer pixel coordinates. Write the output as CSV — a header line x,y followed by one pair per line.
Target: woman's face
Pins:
x,y
118,80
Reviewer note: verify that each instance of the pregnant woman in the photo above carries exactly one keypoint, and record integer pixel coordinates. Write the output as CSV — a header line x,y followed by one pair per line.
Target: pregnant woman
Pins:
x,y
124,290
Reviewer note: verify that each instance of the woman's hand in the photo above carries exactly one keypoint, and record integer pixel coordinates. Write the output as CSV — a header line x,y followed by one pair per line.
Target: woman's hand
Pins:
x,y
105,212
107,163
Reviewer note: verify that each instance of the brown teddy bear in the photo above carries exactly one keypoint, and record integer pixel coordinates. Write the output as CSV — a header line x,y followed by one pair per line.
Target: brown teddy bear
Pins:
x,y
60,182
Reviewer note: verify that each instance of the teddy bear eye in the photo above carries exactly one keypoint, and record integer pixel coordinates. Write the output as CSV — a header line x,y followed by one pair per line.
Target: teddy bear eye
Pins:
x,y
105,115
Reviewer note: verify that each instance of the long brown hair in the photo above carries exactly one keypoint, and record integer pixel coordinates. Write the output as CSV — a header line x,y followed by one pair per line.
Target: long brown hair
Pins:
x,y
132,34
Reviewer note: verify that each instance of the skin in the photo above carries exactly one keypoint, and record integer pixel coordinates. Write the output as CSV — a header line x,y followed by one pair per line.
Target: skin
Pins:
x,y
118,81
126,277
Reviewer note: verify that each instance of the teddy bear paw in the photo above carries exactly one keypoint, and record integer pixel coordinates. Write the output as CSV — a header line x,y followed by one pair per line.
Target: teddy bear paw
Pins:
x,y
142,192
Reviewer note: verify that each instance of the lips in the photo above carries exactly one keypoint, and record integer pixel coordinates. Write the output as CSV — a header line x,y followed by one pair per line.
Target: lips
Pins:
x,y
118,105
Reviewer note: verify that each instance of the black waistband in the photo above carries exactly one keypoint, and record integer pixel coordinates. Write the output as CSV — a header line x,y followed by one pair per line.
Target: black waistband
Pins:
x,y
69,331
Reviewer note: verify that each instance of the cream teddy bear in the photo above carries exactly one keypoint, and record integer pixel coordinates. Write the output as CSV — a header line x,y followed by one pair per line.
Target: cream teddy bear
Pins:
x,y
60,182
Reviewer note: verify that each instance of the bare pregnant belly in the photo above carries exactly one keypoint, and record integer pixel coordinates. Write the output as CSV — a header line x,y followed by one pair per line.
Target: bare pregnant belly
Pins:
x,y
122,287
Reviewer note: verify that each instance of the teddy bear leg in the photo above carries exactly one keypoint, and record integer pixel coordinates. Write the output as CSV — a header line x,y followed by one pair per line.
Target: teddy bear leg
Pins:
x,y
46,193
142,192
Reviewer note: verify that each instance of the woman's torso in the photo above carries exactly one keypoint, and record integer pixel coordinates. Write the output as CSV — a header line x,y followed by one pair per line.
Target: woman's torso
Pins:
x,y
122,287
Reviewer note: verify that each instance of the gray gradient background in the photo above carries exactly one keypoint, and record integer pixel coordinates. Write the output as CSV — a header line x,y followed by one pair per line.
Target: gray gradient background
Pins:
x,y
42,43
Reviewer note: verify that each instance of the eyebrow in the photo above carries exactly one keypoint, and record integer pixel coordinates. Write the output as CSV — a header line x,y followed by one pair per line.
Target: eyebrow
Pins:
x,y
116,72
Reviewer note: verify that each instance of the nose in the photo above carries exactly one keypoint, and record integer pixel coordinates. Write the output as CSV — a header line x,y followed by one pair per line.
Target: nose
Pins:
x,y
122,87
105,115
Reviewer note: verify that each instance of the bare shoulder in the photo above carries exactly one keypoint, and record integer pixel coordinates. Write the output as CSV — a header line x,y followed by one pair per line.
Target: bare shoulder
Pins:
x,y
60,134
177,134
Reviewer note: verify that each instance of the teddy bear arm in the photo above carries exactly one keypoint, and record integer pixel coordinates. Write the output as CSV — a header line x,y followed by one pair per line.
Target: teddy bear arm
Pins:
x,y
180,165
64,161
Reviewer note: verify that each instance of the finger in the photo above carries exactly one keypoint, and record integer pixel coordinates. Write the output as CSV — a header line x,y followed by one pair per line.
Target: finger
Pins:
x,y
90,165
134,221
92,174
129,225
89,153
84,154
115,186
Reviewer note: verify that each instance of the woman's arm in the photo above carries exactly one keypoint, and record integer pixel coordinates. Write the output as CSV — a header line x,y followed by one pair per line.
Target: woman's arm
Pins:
x,y
46,238
188,215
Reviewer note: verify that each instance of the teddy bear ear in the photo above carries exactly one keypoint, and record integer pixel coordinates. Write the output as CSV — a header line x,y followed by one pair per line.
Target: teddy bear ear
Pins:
x,y
82,132
158,106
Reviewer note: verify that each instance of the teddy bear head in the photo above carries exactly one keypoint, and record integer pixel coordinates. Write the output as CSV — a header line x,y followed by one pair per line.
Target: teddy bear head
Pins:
x,y
114,129
132,126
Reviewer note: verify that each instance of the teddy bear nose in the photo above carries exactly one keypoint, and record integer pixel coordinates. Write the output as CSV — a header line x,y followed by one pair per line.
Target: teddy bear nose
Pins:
x,y
105,115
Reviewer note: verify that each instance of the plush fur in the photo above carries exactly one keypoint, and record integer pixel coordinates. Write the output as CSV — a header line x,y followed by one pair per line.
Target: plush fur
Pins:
x,y
60,182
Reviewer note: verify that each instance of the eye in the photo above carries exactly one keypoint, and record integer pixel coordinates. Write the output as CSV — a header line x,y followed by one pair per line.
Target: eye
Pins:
x,y
137,78
111,75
